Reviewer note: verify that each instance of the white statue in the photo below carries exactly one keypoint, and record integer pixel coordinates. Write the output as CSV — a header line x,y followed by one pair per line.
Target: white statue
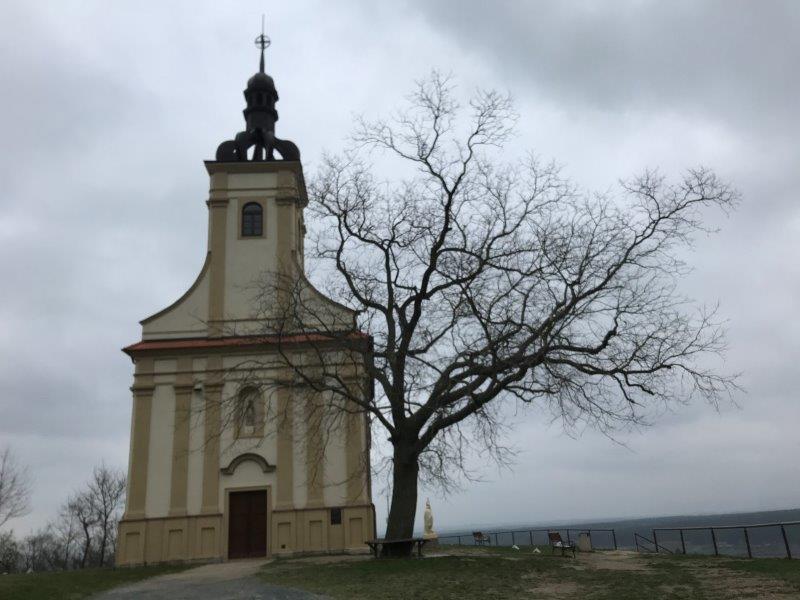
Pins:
x,y
429,534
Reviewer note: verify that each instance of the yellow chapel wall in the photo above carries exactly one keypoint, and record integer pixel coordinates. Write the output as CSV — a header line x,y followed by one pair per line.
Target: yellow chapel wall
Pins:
x,y
169,523
301,526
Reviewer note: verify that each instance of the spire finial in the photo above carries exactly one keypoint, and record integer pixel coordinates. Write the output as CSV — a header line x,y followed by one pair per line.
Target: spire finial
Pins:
x,y
263,42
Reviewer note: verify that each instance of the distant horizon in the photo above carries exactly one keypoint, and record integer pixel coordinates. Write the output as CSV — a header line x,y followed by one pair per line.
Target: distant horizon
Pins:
x,y
609,520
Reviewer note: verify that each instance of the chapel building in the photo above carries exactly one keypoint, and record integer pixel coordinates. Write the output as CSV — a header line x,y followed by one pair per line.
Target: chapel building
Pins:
x,y
230,455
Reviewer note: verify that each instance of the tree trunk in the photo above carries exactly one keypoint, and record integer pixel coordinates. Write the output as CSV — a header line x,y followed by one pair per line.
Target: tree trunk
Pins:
x,y
86,547
405,472
103,545
104,541
67,544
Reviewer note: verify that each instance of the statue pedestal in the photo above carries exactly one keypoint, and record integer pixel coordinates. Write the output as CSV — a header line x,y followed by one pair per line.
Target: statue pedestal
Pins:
x,y
584,542
431,539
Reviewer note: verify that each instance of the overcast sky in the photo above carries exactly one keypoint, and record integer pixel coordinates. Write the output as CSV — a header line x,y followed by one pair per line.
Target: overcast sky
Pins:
x,y
109,108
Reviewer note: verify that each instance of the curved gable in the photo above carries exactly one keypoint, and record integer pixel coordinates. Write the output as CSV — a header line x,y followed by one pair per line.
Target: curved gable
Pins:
x,y
187,316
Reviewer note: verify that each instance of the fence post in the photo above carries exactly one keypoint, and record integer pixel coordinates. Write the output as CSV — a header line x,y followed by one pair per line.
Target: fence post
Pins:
x,y
530,535
683,542
569,541
496,543
714,539
655,540
614,537
747,541
513,539
459,540
636,540
786,542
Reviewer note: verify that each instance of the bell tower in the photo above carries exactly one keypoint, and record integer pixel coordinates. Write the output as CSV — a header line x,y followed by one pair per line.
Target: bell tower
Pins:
x,y
256,199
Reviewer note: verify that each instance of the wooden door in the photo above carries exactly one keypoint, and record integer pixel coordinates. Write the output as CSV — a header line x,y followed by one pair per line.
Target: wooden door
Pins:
x,y
247,524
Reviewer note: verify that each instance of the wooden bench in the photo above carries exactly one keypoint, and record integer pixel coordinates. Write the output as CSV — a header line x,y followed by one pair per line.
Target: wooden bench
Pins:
x,y
481,538
557,542
384,547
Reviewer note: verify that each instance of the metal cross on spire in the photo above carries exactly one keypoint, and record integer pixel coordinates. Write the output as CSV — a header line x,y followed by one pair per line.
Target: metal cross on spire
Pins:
x,y
263,42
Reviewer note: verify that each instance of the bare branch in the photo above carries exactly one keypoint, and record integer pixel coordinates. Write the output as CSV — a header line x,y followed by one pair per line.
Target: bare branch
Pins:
x,y
15,488
482,286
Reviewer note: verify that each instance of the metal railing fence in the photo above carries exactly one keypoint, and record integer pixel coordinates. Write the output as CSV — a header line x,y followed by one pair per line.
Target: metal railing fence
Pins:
x,y
529,535
713,529
644,544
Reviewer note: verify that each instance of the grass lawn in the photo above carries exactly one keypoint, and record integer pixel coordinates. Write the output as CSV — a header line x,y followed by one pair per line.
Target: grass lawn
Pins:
x,y
72,585
504,573
788,570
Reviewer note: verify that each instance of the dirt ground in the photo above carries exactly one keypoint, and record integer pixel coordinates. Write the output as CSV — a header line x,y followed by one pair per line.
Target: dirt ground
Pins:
x,y
233,580
715,578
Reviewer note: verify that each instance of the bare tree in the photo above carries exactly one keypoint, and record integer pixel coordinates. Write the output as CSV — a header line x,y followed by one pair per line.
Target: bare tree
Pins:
x,y
479,284
65,532
10,555
87,519
15,487
105,493
39,551
81,507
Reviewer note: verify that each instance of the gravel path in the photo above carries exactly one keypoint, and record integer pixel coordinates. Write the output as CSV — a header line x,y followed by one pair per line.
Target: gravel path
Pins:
x,y
235,580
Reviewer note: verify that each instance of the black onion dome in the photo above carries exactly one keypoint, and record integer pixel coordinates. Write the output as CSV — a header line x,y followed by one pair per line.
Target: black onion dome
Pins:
x,y
261,81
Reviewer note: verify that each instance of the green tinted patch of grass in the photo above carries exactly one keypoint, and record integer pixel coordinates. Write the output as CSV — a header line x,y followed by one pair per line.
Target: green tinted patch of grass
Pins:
x,y
482,574
73,585
780,568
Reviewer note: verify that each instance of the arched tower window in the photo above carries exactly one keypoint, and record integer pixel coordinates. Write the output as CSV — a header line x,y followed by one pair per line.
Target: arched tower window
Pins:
x,y
252,220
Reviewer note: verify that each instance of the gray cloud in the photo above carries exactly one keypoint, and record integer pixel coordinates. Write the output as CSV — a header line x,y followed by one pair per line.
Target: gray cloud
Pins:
x,y
109,108
716,57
